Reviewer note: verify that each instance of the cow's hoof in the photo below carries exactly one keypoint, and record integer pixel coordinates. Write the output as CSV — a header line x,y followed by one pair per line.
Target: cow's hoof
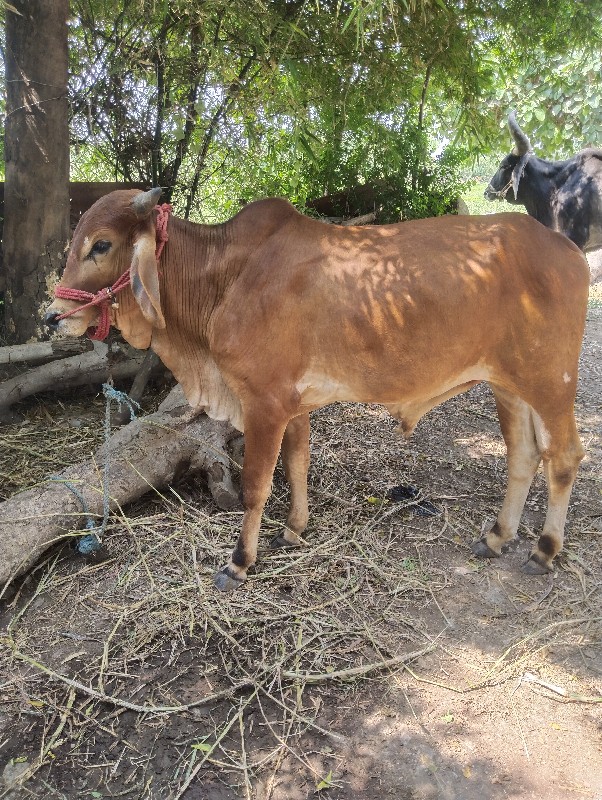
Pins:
x,y
534,567
278,542
481,549
226,582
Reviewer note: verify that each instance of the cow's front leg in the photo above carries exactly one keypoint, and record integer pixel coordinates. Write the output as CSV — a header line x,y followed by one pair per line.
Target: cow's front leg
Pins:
x,y
295,460
263,436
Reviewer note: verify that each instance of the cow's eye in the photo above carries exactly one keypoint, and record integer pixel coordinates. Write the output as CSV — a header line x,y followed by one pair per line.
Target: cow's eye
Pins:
x,y
99,248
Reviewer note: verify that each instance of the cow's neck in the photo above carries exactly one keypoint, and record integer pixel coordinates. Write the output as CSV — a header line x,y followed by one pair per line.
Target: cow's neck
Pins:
x,y
537,189
196,269
195,273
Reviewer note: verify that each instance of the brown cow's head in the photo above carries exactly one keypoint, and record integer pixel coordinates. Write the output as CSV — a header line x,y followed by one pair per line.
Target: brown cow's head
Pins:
x,y
116,233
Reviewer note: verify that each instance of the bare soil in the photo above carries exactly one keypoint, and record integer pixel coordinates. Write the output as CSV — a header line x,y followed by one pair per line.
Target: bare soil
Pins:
x,y
131,677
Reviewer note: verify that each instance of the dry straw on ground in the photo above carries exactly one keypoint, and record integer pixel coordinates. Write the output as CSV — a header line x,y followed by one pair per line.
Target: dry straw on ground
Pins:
x,y
132,677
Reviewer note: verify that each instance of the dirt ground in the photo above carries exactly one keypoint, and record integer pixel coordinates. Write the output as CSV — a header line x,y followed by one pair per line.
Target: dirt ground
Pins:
x,y
381,660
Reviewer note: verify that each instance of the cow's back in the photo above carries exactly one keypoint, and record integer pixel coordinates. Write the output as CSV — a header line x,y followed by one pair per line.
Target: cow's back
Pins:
x,y
372,313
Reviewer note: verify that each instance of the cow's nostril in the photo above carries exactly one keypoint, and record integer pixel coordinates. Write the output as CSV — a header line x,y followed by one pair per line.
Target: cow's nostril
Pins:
x,y
51,320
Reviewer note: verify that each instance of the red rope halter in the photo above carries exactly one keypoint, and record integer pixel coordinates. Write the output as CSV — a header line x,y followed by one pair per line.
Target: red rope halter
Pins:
x,y
104,298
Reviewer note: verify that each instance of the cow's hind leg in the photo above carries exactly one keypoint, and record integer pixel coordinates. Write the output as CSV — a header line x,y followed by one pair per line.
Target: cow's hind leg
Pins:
x,y
529,439
523,457
562,452
295,460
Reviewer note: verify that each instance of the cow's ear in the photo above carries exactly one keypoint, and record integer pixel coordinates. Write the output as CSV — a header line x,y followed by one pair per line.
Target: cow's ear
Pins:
x,y
144,276
518,172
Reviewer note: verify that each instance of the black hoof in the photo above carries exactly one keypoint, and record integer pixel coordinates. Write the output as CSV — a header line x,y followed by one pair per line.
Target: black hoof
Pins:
x,y
226,582
533,567
278,542
481,549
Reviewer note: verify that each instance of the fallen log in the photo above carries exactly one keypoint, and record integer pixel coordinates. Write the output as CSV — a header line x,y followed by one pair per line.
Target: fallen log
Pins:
x,y
150,452
38,352
79,370
364,219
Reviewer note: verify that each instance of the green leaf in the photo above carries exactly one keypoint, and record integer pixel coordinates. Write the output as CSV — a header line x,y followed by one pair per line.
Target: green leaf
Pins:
x,y
325,783
307,149
202,746
351,17
298,30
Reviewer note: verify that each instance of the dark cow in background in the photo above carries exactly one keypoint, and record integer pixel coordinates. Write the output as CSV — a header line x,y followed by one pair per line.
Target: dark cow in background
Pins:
x,y
563,195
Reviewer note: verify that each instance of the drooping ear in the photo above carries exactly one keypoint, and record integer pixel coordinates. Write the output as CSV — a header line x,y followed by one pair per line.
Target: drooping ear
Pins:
x,y
144,276
143,203
518,172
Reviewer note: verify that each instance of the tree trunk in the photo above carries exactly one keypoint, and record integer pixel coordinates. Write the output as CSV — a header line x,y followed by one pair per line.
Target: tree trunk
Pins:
x,y
149,452
36,199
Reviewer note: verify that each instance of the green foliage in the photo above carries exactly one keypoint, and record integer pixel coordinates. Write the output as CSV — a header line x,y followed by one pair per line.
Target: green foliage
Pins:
x,y
425,186
222,103
558,99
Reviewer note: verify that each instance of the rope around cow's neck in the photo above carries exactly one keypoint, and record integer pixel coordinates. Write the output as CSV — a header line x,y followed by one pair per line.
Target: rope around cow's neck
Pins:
x,y
105,298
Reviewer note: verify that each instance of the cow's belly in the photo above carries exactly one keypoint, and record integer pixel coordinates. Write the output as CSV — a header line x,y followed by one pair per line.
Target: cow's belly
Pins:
x,y
410,410
318,389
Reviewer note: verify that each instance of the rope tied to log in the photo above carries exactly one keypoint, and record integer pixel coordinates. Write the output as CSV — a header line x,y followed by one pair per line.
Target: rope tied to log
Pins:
x,y
90,523
105,298
92,541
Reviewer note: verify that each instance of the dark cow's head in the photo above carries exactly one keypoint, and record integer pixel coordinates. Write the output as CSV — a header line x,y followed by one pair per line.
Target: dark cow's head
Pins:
x,y
512,167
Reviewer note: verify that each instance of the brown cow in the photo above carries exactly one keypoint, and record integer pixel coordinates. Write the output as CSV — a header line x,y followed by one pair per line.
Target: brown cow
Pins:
x,y
271,315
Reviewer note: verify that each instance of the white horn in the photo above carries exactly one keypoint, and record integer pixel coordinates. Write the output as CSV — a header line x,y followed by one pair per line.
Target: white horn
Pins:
x,y
143,203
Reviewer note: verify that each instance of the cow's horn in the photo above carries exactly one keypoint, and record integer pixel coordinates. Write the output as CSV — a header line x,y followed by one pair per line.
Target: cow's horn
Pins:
x,y
143,203
523,145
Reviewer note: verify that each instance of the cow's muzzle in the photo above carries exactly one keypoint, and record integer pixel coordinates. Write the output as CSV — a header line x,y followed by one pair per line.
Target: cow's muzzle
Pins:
x,y
51,320
496,194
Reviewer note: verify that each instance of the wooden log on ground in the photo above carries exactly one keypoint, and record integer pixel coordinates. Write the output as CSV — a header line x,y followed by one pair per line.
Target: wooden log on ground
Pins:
x,y
79,370
150,452
39,352
364,219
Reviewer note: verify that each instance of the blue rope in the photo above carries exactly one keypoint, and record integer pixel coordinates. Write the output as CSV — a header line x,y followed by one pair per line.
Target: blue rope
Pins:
x,y
121,398
92,541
